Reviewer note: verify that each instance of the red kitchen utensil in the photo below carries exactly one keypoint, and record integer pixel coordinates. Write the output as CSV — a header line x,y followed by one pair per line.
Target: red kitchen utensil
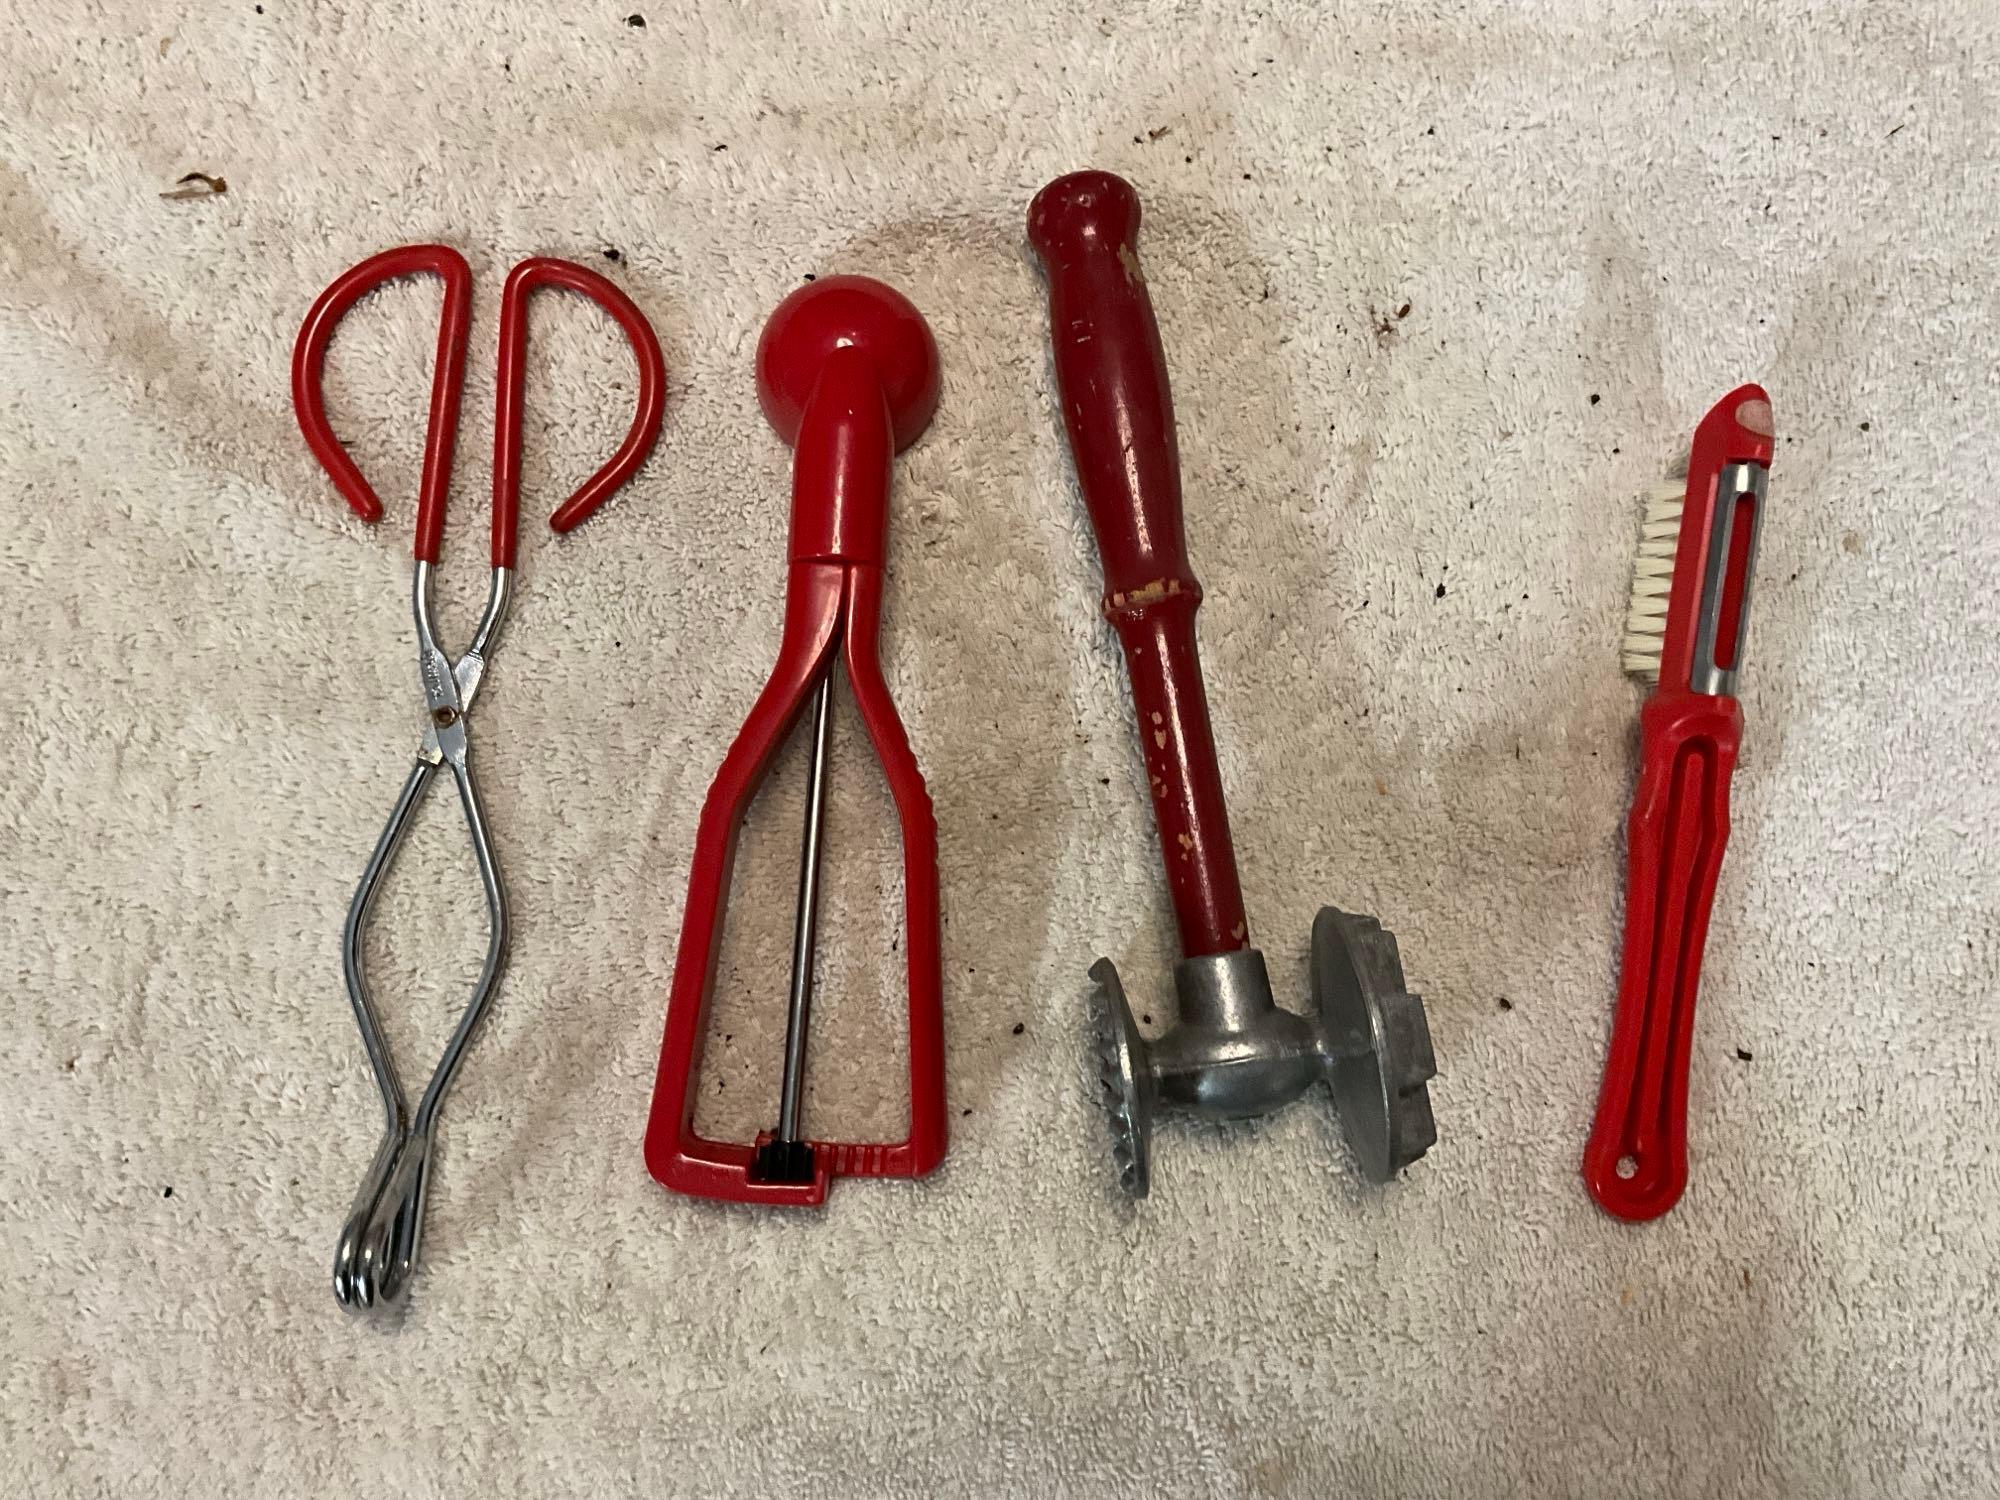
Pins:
x,y
1233,1052
379,1243
1690,595
848,375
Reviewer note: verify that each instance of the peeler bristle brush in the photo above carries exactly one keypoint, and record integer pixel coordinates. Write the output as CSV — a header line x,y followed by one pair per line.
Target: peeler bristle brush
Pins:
x,y
1653,579
1684,633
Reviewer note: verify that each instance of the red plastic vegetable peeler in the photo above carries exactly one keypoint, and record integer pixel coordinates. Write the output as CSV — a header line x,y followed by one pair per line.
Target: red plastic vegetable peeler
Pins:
x,y
848,375
1690,596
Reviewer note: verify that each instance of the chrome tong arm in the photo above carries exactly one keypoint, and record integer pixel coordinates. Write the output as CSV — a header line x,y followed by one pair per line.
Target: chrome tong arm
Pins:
x,y
379,1241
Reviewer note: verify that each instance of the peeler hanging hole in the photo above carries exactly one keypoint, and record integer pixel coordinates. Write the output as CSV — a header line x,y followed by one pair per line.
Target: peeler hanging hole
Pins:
x,y
1628,1167
1755,416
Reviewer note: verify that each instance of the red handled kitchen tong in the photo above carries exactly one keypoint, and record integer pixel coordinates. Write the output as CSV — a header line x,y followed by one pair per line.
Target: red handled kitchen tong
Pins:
x,y
379,1242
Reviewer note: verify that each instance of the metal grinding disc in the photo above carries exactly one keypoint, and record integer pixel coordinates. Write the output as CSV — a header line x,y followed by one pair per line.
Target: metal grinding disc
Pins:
x,y
1377,1041
1121,1062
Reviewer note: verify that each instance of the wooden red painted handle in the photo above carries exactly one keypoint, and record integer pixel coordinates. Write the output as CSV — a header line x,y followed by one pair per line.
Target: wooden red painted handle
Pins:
x,y
1119,413
1113,376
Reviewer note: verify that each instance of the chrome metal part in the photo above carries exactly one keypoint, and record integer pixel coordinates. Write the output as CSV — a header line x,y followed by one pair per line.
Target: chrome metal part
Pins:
x,y
379,1242
798,1013
1234,1053
1736,484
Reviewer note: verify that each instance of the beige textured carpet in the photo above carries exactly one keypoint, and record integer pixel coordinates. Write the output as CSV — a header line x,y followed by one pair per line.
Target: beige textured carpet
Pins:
x,y
1443,287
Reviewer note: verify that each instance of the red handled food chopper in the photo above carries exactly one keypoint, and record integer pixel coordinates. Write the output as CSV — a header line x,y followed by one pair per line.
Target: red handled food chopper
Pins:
x,y
848,375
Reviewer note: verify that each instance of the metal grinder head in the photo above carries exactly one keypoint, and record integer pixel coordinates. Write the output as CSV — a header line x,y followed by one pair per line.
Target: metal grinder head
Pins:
x,y
1233,1053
